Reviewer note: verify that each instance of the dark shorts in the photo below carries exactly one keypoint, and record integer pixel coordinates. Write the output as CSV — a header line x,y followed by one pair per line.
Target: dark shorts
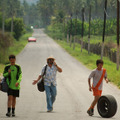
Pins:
x,y
14,93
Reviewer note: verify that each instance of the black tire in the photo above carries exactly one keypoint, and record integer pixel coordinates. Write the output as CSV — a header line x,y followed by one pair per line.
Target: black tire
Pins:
x,y
107,106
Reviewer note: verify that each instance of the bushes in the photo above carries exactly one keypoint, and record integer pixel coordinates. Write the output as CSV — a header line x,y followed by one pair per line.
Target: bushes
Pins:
x,y
5,42
18,27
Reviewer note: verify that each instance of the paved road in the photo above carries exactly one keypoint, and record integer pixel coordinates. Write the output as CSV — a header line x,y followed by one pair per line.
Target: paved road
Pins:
x,y
73,98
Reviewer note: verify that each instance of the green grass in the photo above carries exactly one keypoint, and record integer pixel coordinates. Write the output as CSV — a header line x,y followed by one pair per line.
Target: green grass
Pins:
x,y
90,61
98,39
16,48
19,45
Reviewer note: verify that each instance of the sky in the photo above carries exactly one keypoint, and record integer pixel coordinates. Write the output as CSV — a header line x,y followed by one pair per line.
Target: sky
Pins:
x,y
31,1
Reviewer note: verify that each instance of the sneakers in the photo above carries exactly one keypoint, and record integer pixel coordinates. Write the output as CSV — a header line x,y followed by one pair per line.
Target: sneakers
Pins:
x,y
8,114
90,112
50,110
13,114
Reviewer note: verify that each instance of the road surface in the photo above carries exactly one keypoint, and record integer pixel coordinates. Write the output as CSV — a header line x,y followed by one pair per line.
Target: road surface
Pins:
x,y
73,97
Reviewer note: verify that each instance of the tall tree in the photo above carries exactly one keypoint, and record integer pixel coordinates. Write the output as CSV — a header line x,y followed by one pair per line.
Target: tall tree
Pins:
x,y
3,10
46,10
83,19
14,6
118,25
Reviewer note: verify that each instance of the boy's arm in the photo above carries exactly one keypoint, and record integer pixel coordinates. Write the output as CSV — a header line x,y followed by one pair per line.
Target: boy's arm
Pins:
x,y
106,79
89,83
6,73
20,76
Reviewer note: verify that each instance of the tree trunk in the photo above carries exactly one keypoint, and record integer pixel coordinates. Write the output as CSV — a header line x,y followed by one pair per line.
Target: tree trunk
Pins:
x,y
83,10
74,42
118,35
68,33
75,32
102,50
70,40
3,24
12,23
118,56
71,32
89,30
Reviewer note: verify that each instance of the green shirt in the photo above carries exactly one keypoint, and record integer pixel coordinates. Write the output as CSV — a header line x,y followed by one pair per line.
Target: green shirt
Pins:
x,y
14,77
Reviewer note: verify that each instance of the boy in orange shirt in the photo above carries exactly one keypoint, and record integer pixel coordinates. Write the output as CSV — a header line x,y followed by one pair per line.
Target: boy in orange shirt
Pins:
x,y
97,75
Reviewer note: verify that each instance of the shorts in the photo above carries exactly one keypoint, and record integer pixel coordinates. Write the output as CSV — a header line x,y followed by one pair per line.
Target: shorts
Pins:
x,y
14,93
97,92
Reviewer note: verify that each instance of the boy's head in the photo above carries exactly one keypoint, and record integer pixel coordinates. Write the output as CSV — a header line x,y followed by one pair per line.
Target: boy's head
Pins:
x,y
99,64
12,59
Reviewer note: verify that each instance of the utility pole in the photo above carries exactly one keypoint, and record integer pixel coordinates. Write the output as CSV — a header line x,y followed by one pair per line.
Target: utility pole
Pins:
x,y
105,10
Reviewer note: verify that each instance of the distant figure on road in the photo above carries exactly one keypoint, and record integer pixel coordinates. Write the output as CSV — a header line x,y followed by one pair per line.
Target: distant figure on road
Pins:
x,y
97,75
50,82
13,75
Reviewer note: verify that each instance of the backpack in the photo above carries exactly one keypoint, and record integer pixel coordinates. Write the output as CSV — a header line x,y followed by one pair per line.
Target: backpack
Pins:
x,y
40,84
4,85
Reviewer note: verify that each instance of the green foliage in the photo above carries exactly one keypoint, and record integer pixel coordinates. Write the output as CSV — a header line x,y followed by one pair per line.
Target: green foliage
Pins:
x,y
18,28
11,46
55,31
6,41
0,20
76,27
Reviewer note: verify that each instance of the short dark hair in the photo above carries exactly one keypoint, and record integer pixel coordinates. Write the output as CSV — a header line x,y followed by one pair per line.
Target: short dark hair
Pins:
x,y
12,56
99,62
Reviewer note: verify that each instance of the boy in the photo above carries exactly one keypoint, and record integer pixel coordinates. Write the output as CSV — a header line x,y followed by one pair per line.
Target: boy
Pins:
x,y
13,75
97,75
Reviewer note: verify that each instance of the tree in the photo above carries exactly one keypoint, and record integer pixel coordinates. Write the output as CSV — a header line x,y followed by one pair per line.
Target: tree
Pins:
x,y
14,6
83,19
46,10
118,25
3,10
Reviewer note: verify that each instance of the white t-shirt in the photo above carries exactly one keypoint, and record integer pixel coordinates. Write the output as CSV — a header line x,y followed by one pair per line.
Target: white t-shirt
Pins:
x,y
96,75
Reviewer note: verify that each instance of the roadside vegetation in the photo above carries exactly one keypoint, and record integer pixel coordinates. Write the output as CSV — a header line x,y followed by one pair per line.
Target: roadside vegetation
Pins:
x,y
89,60
89,30
15,28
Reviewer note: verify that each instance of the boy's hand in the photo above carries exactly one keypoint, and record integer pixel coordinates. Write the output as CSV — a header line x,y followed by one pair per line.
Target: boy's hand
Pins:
x,y
9,71
107,80
16,84
90,88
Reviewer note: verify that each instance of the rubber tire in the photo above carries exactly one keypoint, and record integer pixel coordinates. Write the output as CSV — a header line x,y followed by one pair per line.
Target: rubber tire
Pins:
x,y
107,106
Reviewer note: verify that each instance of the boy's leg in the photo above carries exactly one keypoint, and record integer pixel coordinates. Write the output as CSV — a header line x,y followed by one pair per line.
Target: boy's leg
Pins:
x,y
96,98
13,106
10,97
91,109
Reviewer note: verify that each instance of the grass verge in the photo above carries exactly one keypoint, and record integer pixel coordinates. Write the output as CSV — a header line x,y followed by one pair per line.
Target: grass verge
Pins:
x,y
16,48
90,61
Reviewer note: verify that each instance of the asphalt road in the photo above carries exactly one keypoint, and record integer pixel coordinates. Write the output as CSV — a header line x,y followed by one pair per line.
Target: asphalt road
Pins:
x,y
73,96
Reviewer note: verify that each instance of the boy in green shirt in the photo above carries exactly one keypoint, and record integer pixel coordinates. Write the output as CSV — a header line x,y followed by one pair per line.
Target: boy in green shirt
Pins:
x,y
13,75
